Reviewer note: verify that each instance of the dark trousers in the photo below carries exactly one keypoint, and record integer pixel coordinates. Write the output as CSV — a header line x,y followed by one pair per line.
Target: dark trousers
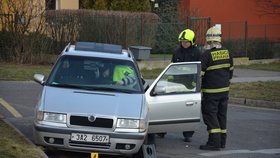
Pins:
x,y
188,134
214,112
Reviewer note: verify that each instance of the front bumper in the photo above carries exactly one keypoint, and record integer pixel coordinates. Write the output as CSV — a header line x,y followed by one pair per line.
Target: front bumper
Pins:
x,y
62,141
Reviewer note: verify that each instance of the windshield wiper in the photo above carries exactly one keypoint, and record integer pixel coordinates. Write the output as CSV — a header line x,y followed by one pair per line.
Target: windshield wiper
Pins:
x,y
111,89
91,88
67,86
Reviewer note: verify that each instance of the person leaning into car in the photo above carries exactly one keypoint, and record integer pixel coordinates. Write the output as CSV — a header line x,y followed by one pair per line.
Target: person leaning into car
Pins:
x,y
121,75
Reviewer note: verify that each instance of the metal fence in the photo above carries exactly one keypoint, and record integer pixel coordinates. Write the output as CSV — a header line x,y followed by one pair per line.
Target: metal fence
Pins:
x,y
253,41
243,40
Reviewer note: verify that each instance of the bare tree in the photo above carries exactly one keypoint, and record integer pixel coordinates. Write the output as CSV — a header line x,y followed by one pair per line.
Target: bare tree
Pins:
x,y
268,7
27,22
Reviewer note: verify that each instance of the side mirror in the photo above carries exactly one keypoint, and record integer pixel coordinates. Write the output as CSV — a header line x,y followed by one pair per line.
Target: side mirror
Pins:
x,y
158,90
39,78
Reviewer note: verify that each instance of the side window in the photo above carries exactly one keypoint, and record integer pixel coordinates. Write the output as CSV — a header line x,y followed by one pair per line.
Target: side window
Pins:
x,y
178,79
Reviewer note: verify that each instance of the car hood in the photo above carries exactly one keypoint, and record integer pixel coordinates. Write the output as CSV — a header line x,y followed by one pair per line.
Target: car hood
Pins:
x,y
72,101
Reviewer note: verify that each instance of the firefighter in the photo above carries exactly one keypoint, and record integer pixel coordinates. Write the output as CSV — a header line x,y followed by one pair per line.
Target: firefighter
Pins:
x,y
217,70
187,52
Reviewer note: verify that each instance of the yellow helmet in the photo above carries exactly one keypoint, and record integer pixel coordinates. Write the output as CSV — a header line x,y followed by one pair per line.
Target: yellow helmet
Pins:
x,y
213,34
187,35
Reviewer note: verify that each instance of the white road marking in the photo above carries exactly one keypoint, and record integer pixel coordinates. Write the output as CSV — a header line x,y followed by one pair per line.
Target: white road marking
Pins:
x,y
228,152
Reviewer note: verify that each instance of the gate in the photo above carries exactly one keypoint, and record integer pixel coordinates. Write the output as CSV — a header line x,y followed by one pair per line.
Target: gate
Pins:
x,y
199,25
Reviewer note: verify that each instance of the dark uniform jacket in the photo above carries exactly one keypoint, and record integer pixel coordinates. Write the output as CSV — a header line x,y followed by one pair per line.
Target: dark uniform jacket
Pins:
x,y
217,70
186,54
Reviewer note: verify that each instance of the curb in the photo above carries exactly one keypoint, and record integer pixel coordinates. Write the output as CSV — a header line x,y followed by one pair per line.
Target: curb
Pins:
x,y
23,136
255,103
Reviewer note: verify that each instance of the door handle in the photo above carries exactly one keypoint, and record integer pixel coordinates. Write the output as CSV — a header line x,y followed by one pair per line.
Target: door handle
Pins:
x,y
189,103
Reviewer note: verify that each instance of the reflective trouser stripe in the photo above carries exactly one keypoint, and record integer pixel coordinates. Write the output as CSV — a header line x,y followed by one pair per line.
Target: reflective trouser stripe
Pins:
x,y
220,66
217,130
223,131
216,90
214,130
231,68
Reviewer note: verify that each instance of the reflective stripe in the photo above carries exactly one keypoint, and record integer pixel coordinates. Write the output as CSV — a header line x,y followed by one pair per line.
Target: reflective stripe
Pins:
x,y
220,66
202,73
216,90
223,130
231,68
220,55
211,35
214,130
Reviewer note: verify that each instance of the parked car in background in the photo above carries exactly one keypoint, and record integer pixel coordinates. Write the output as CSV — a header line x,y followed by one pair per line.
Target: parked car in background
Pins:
x,y
87,106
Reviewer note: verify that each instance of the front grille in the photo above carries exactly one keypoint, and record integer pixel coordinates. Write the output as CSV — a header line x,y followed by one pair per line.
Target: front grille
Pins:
x,y
89,145
99,122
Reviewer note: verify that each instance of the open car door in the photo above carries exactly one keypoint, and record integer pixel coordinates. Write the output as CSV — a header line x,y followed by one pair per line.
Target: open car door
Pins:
x,y
174,99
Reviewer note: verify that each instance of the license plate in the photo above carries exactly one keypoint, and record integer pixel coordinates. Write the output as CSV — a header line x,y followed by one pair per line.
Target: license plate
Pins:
x,y
95,138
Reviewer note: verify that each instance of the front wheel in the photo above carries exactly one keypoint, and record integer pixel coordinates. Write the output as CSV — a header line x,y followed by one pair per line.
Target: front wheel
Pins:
x,y
150,139
139,154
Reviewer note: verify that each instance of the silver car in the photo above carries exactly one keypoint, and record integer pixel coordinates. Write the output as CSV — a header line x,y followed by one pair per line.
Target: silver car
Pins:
x,y
84,108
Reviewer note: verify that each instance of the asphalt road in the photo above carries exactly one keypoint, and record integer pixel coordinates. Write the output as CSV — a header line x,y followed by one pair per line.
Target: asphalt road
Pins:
x,y
252,132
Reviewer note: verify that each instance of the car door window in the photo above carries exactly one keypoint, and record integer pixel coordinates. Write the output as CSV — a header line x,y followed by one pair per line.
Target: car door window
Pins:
x,y
178,79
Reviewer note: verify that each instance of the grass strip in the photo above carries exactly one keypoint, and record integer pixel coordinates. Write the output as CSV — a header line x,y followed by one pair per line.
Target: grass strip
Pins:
x,y
268,91
14,72
13,145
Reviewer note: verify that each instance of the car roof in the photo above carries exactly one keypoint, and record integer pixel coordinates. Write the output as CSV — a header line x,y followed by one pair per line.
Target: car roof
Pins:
x,y
102,50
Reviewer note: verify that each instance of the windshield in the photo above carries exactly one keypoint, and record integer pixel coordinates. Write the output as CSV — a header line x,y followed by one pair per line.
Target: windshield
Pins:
x,y
92,73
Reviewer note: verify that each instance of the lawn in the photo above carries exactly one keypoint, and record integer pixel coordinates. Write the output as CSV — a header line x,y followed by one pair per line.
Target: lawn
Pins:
x,y
268,91
13,145
14,72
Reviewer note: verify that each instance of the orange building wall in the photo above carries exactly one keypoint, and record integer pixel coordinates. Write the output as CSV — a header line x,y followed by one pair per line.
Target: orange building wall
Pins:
x,y
232,11
233,14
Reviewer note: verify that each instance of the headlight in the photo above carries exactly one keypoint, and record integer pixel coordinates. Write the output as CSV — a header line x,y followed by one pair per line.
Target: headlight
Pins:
x,y
127,124
52,117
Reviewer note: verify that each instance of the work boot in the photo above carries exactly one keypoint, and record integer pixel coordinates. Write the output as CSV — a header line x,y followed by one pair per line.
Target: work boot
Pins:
x,y
213,143
209,147
223,140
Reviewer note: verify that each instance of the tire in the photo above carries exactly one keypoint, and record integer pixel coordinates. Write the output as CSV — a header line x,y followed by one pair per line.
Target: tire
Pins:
x,y
161,135
139,154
